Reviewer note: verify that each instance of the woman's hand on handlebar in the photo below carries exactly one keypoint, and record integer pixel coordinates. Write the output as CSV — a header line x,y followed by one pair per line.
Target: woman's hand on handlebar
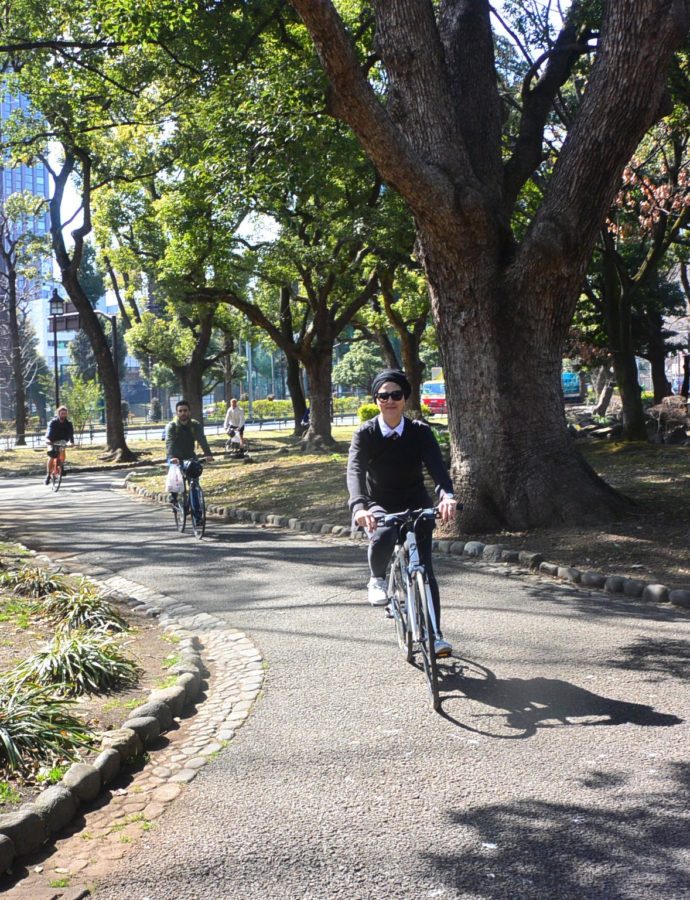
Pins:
x,y
447,508
365,519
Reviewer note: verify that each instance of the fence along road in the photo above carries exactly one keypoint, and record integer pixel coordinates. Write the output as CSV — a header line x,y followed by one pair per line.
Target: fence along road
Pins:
x,y
559,769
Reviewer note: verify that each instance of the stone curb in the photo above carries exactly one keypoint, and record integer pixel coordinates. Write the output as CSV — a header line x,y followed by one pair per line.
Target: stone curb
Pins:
x,y
25,830
470,550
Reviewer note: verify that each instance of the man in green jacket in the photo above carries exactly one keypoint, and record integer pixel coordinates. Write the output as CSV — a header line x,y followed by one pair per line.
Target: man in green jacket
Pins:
x,y
181,437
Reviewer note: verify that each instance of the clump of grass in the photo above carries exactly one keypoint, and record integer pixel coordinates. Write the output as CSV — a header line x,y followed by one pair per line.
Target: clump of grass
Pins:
x,y
8,795
77,663
82,607
32,581
36,727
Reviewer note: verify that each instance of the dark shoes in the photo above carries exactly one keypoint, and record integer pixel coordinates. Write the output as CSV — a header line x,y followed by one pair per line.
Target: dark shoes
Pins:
x,y
48,477
172,498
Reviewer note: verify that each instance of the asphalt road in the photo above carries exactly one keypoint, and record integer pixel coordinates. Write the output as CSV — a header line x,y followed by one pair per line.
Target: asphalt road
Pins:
x,y
559,768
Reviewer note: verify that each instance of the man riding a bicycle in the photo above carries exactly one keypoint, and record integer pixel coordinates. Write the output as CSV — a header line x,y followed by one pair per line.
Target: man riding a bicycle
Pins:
x,y
60,429
181,437
385,474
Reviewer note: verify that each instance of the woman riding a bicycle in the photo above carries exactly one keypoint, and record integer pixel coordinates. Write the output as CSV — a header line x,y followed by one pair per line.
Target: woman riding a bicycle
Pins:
x,y
385,474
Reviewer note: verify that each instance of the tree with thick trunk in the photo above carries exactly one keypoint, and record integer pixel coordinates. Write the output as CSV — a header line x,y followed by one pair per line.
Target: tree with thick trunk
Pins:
x,y
68,262
503,306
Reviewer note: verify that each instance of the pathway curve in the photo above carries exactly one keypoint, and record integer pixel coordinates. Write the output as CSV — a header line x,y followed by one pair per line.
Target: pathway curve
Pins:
x,y
559,767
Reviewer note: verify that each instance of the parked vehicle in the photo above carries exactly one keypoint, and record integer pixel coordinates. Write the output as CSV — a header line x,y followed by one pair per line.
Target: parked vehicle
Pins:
x,y
434,396
570,385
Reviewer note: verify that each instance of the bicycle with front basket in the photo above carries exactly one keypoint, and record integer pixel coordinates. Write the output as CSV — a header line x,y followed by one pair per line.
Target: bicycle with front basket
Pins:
x,y
409,595
190,500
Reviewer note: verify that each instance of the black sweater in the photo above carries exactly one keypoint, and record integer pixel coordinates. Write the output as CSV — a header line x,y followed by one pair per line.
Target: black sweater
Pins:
x,y
388,472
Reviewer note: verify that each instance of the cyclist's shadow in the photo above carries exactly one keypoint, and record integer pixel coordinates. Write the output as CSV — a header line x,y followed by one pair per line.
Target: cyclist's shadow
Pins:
x,y
533,703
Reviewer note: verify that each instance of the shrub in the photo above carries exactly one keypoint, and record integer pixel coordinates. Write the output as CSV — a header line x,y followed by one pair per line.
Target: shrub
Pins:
x,y
35,727
33,582
78,663
367,411
81,608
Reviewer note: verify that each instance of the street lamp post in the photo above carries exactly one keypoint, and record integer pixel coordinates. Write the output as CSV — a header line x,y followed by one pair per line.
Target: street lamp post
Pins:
x,y
56,307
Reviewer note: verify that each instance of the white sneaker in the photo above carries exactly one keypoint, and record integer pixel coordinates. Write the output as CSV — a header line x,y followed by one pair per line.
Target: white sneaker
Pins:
x,y
376,590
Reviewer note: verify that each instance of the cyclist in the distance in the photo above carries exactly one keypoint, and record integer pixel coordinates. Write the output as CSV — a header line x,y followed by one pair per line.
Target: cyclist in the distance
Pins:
x,y
181,437
385,474
59,429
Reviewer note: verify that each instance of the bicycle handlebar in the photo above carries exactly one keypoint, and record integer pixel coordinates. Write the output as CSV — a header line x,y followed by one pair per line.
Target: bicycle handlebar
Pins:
x,y
409,516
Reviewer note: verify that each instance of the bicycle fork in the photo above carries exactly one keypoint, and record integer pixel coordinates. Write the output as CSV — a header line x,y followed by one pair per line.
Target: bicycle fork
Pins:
x,y
412,569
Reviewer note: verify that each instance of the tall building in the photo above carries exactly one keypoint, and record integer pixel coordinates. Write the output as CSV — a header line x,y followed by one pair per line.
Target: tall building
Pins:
x,y
35,180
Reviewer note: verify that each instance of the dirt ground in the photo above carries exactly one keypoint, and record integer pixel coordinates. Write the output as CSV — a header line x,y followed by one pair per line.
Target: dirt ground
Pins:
x,y
144,643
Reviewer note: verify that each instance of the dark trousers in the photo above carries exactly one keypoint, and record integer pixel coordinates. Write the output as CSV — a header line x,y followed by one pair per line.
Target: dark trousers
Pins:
x,y
381,544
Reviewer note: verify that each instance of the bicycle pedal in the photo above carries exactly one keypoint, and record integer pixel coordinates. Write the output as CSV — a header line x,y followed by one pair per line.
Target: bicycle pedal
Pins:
x,y
389,612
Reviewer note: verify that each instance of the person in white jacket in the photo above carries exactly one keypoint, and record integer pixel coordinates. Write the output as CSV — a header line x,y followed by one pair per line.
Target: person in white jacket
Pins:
x,y
234,420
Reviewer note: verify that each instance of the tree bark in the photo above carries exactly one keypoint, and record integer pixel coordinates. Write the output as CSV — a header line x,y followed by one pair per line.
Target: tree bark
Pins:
x,y
17,367
502,308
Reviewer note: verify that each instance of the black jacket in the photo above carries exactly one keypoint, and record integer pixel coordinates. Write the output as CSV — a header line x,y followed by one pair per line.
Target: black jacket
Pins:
x,y
60,431
389,472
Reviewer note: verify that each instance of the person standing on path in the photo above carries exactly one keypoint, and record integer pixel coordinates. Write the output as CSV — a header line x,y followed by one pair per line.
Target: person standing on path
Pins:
x,y
385,474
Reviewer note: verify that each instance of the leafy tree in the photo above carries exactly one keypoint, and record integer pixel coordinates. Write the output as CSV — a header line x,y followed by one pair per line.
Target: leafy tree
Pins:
x,y
503,297
358,367
82,398
23,251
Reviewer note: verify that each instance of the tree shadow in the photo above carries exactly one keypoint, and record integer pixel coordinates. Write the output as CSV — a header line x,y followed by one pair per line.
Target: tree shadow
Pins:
x,y
530,704
630,847
660,658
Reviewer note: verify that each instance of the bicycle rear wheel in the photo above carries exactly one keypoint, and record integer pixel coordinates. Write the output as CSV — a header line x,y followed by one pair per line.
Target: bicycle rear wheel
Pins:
x,y
397,593
180,510
197,506
426,638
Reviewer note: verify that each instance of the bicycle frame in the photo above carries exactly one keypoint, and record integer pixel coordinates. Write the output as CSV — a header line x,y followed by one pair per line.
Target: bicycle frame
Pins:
x,y
406,544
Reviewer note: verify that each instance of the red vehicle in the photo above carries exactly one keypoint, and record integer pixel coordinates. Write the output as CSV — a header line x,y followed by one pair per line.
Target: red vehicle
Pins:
x,y
434,396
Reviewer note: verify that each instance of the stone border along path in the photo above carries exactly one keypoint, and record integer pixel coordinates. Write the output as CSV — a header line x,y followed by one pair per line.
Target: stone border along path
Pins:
x,y
109,824
529,562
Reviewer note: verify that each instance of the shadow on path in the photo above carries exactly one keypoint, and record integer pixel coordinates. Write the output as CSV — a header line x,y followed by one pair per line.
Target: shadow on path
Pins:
x,y
533,703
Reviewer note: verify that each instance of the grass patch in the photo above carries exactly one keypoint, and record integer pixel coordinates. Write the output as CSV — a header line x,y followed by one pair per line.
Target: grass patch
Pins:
x,y
17,611
8,795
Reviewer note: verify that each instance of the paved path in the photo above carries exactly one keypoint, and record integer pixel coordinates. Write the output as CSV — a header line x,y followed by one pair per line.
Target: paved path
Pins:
x,y
560,768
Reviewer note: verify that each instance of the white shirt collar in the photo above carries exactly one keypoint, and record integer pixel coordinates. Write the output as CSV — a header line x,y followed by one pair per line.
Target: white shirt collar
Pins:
x,y
386,431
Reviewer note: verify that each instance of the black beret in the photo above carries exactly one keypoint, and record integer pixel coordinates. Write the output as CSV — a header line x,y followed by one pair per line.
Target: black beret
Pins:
x,y
393,375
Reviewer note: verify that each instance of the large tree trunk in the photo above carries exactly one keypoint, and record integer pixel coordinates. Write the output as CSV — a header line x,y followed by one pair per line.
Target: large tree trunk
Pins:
x,y
294,383
319,365
17,367
512,457
116,442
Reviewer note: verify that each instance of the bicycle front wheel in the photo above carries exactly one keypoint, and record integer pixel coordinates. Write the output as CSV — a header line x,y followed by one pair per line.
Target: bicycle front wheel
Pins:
x,y
197,506
426,638
56,479
180,510
397,593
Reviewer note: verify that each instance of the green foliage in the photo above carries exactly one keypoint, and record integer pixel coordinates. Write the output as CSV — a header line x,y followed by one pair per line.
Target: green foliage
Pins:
x,y
51,775
35,726
8,795
359,366
81,398
77,663
367,411
32,581
81,608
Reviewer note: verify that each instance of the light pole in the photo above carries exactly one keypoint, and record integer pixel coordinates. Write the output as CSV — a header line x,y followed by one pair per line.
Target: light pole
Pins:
x,y
56,307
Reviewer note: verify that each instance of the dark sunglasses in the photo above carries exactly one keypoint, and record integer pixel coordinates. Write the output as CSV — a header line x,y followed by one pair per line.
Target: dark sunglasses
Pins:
x,y
394,395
